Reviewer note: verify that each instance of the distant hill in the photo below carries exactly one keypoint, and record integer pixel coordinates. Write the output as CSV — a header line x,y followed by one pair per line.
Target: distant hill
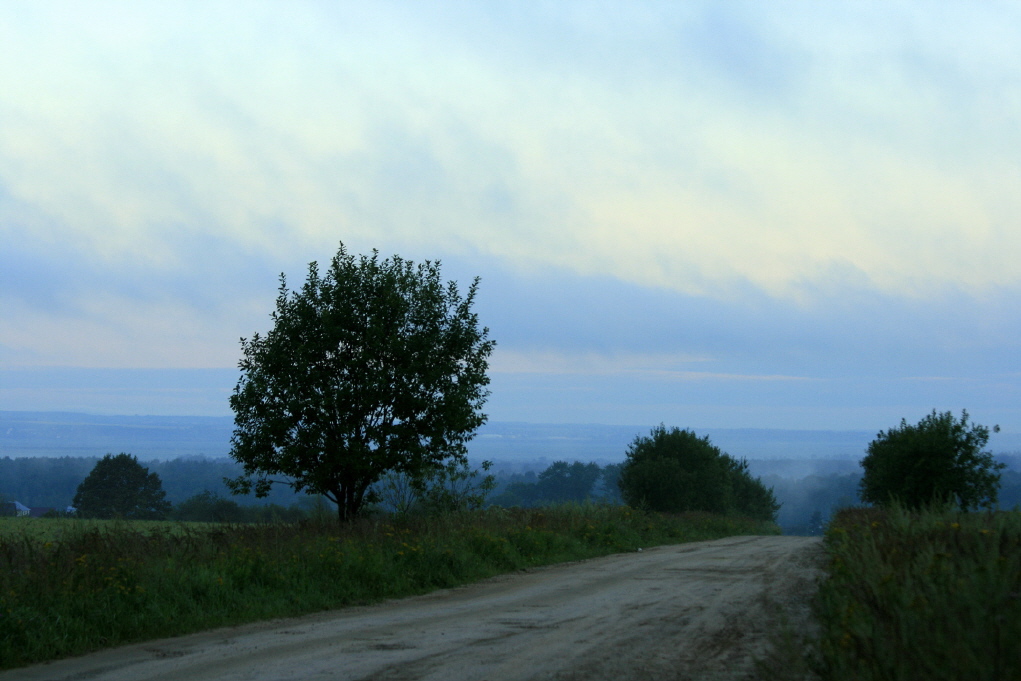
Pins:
x,y
24,433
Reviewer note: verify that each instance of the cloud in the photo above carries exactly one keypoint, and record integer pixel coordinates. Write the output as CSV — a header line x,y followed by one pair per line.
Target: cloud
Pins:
x,y
594,349
731,44
588,363
682,194
414,127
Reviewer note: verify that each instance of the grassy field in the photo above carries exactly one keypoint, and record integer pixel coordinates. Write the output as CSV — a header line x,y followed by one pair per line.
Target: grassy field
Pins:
x,y
68,587
54,529
932,595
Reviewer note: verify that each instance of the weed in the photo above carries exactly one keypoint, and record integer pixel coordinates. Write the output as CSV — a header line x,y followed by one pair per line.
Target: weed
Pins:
x,y
934,594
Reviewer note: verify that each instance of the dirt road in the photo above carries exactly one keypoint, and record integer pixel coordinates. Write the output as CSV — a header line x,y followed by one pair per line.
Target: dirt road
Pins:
x,y
692,611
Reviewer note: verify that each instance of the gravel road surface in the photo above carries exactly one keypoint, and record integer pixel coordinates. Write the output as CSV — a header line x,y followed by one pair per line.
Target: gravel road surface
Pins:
x,y
691,611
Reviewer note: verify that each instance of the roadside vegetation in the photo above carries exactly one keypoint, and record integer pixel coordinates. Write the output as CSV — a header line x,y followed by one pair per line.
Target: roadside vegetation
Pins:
x,y
926,594
919,586
85,585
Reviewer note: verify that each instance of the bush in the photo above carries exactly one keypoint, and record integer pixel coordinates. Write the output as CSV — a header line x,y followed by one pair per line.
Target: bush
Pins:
x,y
453,487
939,460
208,507
676,471
120,487
751,497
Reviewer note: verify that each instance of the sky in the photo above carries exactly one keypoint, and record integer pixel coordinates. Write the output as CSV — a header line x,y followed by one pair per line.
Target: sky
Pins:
x,y
792,215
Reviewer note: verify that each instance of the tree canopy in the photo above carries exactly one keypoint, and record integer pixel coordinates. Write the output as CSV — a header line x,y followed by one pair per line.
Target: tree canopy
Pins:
x,y
376,367
560,482
939,459
568,482
676,471
120,487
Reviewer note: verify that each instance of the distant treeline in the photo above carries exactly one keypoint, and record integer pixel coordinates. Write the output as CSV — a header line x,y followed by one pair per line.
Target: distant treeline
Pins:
x,y
53,481
560,482
195,487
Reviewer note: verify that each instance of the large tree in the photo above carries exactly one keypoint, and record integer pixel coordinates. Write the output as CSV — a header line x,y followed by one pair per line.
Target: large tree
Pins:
x,y
939,459
376,367
120,487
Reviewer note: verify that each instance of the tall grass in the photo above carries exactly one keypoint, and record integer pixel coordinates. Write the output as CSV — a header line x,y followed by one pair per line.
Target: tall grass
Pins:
x,y
55,529
921,595
95,585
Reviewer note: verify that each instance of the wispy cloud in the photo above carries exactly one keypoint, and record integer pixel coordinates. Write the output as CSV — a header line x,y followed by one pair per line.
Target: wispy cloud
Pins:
x,y
655,366
742,147
547,362
704,192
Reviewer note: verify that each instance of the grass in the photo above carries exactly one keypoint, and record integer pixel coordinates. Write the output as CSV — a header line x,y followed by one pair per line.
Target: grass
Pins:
x,y
73,587
54,529
930,595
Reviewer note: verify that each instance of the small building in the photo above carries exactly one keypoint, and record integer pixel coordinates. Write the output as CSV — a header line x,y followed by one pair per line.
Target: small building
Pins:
x,y
14,509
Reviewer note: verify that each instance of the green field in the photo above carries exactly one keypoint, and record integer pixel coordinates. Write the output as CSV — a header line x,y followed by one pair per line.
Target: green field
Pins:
x,y
68,587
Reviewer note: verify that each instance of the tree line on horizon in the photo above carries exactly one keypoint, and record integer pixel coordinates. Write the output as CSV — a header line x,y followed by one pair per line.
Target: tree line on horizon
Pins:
x,y
119,486
196,490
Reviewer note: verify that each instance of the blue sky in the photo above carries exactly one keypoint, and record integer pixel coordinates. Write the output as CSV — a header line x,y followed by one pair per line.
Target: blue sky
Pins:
x,y
728,215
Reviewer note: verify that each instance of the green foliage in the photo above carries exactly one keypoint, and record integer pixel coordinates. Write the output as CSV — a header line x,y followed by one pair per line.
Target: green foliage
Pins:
x,y
560,482
43,481
376,367
676,471
209,507
938,460
453,487
750,496
103,585
609,484
568,482
52,481
55,529
183,478
397,493
928,593
120,487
